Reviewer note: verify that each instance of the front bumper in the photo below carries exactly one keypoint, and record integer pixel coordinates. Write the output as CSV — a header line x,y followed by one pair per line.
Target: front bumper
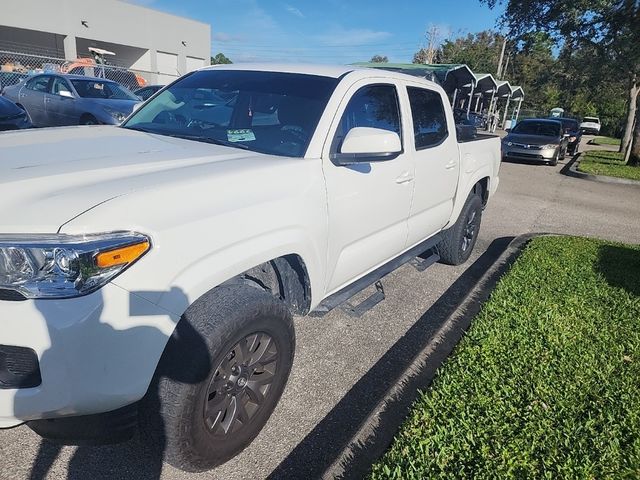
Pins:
x,y
96,353
533,154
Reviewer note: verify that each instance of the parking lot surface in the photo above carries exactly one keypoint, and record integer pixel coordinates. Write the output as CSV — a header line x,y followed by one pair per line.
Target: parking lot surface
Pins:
x,y
342,363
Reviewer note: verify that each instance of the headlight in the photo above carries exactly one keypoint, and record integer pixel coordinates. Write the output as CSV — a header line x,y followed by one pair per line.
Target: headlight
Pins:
x,y
117,115
65,266
548,147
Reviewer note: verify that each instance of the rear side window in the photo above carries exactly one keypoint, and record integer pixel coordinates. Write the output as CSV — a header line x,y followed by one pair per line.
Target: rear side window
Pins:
x,y
374,106
429,121
39,84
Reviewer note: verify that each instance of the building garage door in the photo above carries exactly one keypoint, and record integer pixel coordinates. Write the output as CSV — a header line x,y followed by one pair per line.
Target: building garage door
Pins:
x,y
194,63
167,67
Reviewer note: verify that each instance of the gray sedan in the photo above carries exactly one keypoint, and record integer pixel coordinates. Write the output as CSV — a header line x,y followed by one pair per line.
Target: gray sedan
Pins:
x,y
537,140
55,100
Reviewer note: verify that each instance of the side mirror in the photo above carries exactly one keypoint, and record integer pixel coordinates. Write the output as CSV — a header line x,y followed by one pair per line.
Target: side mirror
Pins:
x,y
65,93
365,145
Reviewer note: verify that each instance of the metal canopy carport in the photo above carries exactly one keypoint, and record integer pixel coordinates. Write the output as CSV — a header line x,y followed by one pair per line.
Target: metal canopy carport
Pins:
x,y
452,77
517,94
449,76
485,88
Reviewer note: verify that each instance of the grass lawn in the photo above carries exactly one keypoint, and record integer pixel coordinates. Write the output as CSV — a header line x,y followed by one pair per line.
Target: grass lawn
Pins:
x,y
600,162
606,141
546,383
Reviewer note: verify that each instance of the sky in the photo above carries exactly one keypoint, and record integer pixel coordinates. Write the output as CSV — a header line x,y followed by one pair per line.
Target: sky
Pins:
x,y
328,31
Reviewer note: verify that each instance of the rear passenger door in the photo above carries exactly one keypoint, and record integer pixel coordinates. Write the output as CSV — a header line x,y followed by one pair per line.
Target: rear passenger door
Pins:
x,y
32,98
437,164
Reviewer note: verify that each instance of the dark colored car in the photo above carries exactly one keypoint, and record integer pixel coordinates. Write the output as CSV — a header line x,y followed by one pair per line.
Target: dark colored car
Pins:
x,y
146,92
55,100
461,117
536,139
12,117
571,127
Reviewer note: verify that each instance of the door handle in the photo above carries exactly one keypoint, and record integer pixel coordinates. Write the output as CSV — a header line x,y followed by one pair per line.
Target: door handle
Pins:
x,y
406,177
451,165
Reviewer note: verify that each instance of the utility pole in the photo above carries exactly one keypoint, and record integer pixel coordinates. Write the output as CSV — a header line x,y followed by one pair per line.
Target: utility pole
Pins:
x,y
506,65
500,72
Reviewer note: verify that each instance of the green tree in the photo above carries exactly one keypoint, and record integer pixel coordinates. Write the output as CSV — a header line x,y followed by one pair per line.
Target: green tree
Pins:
x,y
481,51
220,59
533,66
379,59
611,28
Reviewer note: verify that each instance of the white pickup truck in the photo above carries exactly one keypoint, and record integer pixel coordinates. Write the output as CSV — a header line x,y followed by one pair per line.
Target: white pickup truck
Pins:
x,y
149,272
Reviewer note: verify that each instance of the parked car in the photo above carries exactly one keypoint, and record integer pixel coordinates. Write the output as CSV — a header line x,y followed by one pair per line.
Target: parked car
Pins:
x,y
590,125
478,120
537,139
146,92
12,117
571,127
55,100
150,271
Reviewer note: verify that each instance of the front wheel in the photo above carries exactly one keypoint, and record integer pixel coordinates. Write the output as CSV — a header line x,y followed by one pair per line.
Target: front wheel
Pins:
x,y
458,241
220,378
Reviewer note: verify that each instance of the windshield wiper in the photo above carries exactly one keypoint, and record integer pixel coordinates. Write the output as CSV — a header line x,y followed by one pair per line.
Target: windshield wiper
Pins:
x,y
215,141
186,136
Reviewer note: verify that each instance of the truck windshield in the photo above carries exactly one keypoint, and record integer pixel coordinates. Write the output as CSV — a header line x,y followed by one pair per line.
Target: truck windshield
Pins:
x,y
268,112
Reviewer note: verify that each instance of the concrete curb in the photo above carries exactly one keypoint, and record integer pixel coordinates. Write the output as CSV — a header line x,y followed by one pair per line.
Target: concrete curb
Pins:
x,y
379,428
573,172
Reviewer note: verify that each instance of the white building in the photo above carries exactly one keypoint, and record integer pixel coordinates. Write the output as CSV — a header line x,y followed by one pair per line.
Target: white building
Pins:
x,y
141,38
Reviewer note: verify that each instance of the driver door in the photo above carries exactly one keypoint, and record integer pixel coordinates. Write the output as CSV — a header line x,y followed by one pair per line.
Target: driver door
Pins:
x,y
60,109
368,203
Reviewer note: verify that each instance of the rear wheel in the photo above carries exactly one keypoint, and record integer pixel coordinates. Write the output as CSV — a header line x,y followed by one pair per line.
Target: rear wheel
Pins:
x,y
238,355
458,241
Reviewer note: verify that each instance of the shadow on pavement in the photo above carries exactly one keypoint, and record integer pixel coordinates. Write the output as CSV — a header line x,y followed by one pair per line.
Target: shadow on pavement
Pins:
x,y
621,267
325,444
142,456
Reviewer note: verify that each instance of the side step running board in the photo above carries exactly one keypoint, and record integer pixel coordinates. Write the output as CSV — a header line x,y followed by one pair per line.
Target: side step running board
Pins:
x,y
423,262
341,296
366,305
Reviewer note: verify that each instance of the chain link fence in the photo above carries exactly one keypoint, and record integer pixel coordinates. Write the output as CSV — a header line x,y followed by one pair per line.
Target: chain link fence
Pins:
x,y
15,67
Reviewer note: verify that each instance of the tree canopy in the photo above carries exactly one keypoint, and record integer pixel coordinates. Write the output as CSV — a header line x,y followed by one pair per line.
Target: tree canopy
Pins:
x,y
220,59
608,31
379,59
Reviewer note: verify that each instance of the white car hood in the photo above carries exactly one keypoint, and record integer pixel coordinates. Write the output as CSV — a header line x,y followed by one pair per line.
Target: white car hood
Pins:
x,y
49,176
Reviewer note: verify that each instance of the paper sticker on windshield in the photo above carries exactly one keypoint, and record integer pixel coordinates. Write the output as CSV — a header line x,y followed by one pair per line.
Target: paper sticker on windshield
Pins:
x,y
244,135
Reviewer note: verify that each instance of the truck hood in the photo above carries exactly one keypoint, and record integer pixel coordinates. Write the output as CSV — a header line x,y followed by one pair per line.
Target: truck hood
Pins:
x,y
49,176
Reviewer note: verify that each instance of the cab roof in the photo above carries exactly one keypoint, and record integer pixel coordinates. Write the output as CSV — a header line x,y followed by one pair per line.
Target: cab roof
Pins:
x,y
332,71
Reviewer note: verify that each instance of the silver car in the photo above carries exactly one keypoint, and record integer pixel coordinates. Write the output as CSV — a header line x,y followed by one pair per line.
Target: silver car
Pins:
x,y
536,139
54,100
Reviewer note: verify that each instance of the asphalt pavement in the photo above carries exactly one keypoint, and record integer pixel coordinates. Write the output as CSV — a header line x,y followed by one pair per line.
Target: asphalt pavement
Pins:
x,y
343,365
